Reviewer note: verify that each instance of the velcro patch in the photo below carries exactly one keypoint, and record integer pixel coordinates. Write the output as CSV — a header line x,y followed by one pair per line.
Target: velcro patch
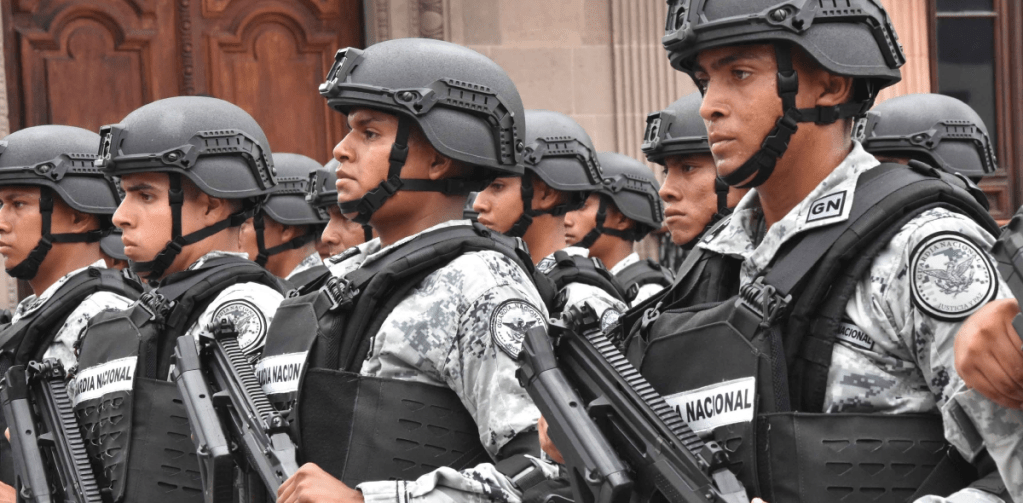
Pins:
x,y
94,382
509,323
951,277
825,207
280,373
717,405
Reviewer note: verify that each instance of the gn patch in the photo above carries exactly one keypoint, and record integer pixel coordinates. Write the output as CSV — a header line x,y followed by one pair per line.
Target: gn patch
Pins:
x,y
509,322
825,207
248,321
951,277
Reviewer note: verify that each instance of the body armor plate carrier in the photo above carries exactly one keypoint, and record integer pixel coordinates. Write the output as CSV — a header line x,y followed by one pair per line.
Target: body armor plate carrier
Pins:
x,y
360,428
640,274
132,418
758,360
32,335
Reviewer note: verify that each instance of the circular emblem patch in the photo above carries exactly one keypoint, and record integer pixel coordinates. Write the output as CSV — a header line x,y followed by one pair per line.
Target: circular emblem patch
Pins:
x,y
610,317
951,277
509,323
248,321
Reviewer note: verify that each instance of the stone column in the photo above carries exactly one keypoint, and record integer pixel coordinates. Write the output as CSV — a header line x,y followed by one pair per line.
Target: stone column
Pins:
x,y
911,21
8,286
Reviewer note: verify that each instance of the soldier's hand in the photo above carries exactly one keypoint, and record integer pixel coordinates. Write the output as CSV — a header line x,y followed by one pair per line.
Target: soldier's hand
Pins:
x,y
546,445
988,355
8,494
311,484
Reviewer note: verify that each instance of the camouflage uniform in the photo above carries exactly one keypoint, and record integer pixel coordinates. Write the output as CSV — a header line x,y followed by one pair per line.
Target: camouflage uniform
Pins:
x,y
461,327
574,294
307,263
894,353
646,291
251,306
63,346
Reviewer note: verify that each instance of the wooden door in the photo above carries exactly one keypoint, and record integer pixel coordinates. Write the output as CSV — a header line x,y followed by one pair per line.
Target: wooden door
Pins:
x,y
87,63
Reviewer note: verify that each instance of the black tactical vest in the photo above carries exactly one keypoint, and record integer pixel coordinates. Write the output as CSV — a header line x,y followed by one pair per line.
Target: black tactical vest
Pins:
x,y
32,335
567,269
360,428
132,418
752,368
640,274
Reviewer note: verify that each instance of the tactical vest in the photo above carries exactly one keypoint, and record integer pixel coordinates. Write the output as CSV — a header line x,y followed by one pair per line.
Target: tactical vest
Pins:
x,y
132,418
568,269
32,335
360,428
640,274
758,361
309,280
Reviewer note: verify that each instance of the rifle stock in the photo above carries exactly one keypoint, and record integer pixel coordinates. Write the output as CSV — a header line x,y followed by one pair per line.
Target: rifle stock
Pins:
x,y
45,438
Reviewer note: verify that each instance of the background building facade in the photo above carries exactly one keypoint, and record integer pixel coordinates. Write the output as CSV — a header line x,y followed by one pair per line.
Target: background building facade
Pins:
x,y
90,62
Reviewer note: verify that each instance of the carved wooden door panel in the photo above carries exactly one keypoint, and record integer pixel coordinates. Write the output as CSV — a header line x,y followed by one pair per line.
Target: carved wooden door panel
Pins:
x,y
269,58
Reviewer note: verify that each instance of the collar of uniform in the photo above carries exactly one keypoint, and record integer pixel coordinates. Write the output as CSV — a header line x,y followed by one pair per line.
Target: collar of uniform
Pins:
x,y
307,263
547,263
32,302
214,254
828,203
369,251
629,259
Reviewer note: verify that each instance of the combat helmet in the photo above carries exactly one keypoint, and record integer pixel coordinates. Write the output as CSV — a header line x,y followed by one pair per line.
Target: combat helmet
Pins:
x,y
287,204
559,152
632,188
935,129
679,130
466,106
855,40
323,194
58,160
214,144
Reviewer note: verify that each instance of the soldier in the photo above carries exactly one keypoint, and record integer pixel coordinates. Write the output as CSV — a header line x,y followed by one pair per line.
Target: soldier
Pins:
x,y
54,209
430,314
289,225
624,210
695,198
340,233
561,171
934,129
193,169
854,276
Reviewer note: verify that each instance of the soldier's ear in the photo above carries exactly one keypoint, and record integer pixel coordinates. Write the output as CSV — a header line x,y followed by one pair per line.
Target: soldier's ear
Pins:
x,y
544,197
614,219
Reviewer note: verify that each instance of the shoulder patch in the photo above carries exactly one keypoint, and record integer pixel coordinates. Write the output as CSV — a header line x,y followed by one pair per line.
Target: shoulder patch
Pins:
x,y
248,321
951,277
829,206
509,322
608,318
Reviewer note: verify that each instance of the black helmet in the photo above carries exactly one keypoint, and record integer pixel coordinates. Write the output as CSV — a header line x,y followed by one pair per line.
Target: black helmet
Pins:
x,y
855,40
559,152
933,128
213,143
58,159
322,194
632,188
679,130
287,203
676,130
465,104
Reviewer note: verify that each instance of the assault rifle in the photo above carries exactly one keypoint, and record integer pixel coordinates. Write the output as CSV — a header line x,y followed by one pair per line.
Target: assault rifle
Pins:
x,y
236,401
50,460
1008,253
599,407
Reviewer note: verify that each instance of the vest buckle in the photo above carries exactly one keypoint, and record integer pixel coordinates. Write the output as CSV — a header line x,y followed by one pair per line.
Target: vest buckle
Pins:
x,y
155,304
763,300
339,292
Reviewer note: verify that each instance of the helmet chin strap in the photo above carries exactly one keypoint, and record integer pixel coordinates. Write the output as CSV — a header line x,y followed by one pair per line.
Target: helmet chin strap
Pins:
x,y
591,237
528,212
761,164
265,253
29,267
721,189
365,206
154,269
